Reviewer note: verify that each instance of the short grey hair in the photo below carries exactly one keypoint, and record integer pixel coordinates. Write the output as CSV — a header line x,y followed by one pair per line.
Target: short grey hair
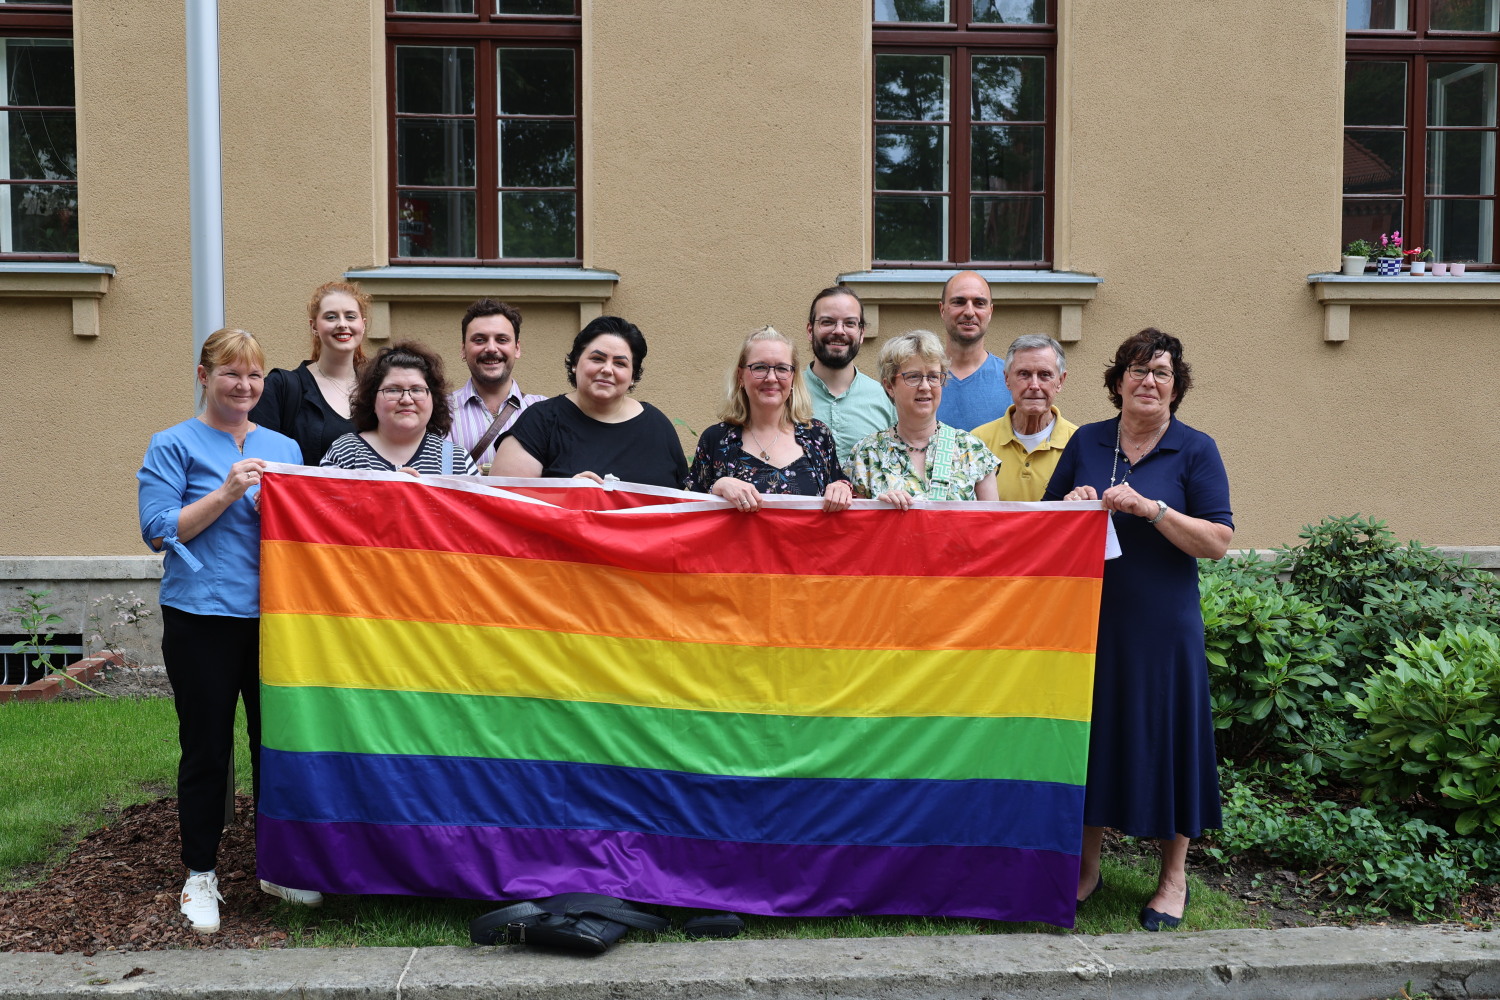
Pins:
x,y
922,344
1036,341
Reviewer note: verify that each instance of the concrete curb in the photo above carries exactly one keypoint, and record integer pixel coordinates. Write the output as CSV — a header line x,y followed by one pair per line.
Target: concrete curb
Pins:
x,y
1313,963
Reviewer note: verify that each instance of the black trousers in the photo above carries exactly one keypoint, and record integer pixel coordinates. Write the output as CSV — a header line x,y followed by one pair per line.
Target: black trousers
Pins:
x,y
212,662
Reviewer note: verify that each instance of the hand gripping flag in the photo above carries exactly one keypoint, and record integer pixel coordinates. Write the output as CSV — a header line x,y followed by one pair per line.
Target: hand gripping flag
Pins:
x,y
473,692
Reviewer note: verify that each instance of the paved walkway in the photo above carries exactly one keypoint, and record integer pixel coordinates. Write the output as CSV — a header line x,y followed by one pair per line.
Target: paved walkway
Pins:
x,y
1313,963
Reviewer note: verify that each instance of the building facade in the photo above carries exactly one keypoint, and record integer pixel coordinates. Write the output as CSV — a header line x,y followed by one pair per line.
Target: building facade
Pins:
x,y
705,169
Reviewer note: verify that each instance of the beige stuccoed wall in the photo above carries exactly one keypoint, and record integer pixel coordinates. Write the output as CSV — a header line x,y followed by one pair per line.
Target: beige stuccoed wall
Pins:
x,y
1205,178
69,456
744,130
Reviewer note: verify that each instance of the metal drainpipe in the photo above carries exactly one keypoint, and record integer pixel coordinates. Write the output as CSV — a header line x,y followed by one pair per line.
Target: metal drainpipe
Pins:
x,y
205,174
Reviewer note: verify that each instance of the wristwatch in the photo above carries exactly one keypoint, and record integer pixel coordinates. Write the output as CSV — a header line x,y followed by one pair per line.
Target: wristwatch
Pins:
x,y
1161,511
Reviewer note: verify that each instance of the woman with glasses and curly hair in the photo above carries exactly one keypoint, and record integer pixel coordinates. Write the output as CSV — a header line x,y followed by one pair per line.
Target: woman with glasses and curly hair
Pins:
x,y
767,440
400,412
1152,767
920,458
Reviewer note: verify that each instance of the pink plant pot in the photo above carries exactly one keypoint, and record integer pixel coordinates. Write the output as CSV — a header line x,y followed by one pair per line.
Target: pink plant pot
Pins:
x,y
1455,268
1438,267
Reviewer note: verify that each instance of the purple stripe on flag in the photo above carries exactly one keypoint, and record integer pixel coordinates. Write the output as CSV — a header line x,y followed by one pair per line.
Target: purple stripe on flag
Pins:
x,y
997,883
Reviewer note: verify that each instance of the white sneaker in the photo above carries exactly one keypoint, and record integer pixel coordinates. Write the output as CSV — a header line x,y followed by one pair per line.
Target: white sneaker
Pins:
x,y
302,897
200,902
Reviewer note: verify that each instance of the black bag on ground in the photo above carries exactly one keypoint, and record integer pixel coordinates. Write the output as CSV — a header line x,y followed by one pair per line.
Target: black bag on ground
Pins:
x,y
580,921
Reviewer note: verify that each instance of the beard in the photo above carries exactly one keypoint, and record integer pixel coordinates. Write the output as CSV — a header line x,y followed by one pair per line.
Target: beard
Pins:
x,y
478,373
835,361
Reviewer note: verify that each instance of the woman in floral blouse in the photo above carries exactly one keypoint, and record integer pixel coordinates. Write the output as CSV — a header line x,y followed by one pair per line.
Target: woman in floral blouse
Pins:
x,y
768,441
919,458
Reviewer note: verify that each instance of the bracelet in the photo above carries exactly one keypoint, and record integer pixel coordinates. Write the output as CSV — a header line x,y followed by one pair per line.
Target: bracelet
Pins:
x,y
1161,511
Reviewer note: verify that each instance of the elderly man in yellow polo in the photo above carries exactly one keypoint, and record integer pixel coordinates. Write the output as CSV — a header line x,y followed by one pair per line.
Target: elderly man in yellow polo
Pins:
x,y
1030,437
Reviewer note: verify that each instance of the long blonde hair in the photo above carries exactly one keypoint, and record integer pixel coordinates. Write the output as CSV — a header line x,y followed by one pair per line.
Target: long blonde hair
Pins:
x,y
736,409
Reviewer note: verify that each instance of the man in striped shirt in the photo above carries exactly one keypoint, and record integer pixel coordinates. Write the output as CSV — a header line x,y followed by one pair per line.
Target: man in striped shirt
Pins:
x,y
491,400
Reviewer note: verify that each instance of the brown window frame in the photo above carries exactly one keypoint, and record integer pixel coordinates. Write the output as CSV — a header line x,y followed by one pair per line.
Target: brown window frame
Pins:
x,y
960,40
486,32
1418,46
23,20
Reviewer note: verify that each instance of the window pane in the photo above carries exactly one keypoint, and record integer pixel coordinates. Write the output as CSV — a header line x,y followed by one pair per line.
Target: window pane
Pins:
x,y
911,88
1374,162
435,151
1374,93
536,7
43,146
535,82
910,228
912,10
911,158
1461,94
39,72
1466,15
1376,15
1006,227
435,224
432,80
538,224
1008,157
1461,230
1010,88
1010,11
1367,218
1460,163
536,154
43,218
435,6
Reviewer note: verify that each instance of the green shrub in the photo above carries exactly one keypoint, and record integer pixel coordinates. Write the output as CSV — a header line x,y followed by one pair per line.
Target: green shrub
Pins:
x,y
1269,656
1367,861
1432,726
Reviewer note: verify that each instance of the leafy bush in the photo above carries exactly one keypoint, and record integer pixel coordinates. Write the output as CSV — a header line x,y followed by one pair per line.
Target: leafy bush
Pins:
x,y
1387,861
1341,557
1432,717
1269,659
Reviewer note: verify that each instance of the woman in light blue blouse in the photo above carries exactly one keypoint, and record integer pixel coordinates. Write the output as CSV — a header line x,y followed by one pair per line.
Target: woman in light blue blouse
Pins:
x,y
197,498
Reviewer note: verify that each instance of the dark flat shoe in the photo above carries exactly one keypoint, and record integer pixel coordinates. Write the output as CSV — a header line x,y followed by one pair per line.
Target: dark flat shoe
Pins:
x,y
1154,920
1090,894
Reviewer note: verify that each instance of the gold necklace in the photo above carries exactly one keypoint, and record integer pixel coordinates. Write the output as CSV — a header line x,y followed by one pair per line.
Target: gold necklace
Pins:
x,y
765,453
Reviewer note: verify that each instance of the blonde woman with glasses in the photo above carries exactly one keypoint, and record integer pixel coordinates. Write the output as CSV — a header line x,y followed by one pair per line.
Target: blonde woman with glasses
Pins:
x,y
767,440
920,458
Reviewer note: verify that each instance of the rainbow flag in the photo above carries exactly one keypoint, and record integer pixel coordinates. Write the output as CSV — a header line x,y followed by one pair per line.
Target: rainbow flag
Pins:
x,y
472,693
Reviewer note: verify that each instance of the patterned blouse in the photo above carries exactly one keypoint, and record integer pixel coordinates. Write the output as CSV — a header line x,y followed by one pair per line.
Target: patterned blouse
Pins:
x,y
720,453
351,451
959,462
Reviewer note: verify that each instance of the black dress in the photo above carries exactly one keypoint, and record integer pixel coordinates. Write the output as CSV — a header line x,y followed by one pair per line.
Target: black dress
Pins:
x,y
293,404
567,441
1153,771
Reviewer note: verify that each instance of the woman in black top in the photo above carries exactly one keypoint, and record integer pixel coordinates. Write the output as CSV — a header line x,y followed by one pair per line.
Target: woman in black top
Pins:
x,y
310,404
596,430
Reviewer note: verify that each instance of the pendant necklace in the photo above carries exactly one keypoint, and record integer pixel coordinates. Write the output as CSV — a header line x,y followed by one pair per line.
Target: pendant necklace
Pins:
x,y
1115,465
765,453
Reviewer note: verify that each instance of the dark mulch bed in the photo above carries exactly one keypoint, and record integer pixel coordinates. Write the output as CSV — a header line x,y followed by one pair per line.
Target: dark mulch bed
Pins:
x,y
119,890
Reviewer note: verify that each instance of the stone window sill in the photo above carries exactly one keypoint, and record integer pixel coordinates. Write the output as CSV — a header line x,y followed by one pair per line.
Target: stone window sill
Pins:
x,y
1068,291
589,289
1337,292
85,284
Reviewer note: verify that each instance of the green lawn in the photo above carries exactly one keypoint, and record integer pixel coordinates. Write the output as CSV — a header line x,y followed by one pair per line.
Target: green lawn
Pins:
x,y
64,765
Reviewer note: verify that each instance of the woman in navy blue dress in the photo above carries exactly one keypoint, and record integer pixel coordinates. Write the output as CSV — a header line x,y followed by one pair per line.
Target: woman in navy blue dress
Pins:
x,y
1152,766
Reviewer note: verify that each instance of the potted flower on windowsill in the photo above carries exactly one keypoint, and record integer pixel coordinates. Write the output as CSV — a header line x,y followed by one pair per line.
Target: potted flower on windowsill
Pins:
x,y
1356,256
1419,259
1388,255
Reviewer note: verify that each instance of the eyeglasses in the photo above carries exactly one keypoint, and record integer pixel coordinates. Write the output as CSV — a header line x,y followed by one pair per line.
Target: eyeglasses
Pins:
x,y
916,379
764,371
416,392
1161,375
828,323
